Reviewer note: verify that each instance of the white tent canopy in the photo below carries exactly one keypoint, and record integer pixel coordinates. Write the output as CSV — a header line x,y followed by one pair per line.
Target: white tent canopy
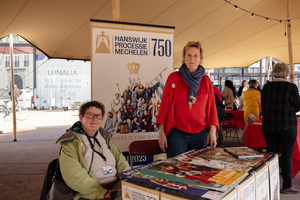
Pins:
x,y
230,37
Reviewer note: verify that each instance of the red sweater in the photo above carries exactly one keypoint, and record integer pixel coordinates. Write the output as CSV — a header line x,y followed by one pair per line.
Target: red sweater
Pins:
x,y
174,109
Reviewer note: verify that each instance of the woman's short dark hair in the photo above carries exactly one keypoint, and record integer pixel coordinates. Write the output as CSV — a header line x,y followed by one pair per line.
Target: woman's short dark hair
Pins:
x,y
87,105
253,83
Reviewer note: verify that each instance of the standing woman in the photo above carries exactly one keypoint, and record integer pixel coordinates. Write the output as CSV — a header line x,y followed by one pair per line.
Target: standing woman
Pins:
x,y
187,117
228,94
280,101
242,88
251,101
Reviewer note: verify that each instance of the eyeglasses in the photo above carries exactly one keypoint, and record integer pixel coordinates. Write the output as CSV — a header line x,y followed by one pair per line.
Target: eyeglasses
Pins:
x,y
92,115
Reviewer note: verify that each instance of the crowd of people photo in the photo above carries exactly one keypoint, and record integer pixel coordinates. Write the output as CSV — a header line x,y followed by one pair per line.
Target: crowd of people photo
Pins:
x,y
135,110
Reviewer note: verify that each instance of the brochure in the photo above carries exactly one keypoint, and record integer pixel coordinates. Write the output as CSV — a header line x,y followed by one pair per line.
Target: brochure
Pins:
x,y
243,152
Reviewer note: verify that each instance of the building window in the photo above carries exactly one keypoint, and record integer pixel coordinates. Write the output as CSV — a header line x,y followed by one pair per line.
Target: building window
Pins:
x,y
7,60
16,38
26,60
17,61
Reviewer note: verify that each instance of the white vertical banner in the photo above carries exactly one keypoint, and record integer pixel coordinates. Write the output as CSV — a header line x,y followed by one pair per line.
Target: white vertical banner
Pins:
x,y
123,53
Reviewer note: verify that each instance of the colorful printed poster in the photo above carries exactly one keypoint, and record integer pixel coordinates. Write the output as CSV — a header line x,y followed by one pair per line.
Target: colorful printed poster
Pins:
x,y
193,175
274,179
216,158
127,55
133,174
262,183
243,152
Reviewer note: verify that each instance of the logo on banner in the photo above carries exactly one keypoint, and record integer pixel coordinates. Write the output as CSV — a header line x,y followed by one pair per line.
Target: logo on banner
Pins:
x,y
102,43
133,68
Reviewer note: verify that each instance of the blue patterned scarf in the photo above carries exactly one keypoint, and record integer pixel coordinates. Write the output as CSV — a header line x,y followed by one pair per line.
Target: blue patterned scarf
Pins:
x,y
193,81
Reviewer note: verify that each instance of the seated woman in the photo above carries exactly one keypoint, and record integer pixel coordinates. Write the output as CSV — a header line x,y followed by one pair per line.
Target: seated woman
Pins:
x,y
89,160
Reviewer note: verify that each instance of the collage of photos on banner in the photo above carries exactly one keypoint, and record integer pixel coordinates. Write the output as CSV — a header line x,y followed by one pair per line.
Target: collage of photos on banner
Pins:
x,y
136,108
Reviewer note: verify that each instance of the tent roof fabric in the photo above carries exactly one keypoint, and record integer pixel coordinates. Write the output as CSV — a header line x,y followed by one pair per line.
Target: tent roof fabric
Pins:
x,y
230,37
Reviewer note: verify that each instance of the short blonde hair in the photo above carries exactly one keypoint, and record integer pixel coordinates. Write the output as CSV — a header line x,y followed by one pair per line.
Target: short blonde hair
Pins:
x,y
192,44
280,70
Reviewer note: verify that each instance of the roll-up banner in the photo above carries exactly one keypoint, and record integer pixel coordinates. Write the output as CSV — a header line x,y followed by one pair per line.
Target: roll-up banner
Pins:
x,y
125,55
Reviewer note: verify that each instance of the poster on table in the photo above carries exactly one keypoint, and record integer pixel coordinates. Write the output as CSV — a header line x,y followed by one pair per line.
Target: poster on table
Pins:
x,y
262,183
127,54
132,191
246,190
232,195
274,179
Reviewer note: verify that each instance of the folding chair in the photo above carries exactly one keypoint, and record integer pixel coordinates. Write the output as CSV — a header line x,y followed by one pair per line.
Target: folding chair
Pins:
x,y
229,124
144,147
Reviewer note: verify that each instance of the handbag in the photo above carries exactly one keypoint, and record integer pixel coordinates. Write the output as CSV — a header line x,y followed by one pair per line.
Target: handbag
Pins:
x,y
59,189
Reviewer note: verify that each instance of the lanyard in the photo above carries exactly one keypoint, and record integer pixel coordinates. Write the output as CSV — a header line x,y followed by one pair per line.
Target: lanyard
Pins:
x,y
92,145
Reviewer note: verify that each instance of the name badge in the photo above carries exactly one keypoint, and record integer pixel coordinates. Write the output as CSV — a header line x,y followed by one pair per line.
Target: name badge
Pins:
x,y
107,169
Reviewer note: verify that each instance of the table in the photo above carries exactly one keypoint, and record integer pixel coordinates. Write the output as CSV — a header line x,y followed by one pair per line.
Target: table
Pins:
x,y
140,182
239,117
254,137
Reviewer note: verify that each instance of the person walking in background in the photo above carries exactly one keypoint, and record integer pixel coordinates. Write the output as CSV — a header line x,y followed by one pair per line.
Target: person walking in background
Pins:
x,y
258,86
279,102
242,88
251,101
187,118
17,93
229,94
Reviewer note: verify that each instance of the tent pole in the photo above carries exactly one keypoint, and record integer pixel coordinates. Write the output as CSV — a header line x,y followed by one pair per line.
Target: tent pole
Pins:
x,y
116,10
12,86
269,67
290,49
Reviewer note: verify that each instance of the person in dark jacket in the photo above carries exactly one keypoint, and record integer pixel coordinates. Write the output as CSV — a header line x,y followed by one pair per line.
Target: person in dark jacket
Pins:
x,y
221,114
280,101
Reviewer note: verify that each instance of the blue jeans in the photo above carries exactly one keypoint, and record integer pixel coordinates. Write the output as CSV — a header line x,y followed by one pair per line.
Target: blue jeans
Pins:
x,y
180,141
